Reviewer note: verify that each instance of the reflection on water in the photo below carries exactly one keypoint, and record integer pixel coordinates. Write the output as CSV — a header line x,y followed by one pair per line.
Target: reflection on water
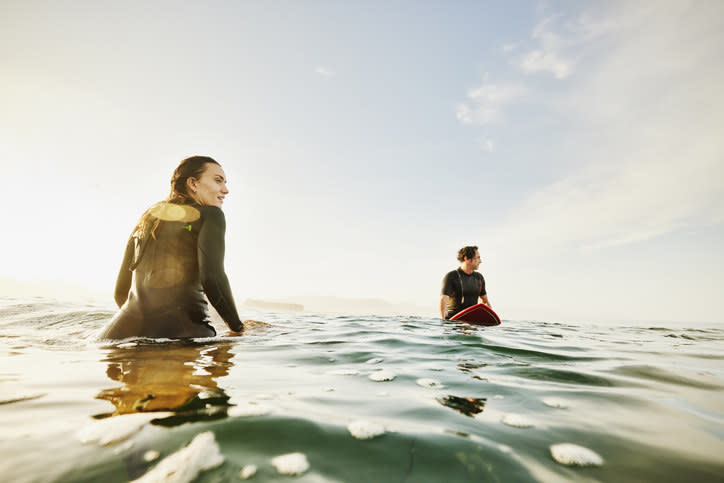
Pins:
x,y
469,406
178,377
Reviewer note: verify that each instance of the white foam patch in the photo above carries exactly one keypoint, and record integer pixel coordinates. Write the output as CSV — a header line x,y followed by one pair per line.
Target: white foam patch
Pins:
x,y
573,455
247,472
244,410
381,376
264,397
185,464
382,394
344,372
116,429
151,455
498,396
291,464
431,383
329,389
516,421
365,429
555,403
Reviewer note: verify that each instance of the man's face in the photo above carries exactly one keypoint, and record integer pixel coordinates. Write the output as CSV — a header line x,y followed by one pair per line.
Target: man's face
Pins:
x,y
475,261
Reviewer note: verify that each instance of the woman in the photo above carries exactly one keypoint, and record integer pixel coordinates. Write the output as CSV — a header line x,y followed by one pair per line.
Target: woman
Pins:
x,y
174,260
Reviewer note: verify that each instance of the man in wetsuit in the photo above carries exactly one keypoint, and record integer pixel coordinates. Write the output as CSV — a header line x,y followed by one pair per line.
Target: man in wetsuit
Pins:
x,y
462,287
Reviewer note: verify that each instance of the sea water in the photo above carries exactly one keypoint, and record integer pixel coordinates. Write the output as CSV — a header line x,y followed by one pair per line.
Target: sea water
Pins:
x,y
308,397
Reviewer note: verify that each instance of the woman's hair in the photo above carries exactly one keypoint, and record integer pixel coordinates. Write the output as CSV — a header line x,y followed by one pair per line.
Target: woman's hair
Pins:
x,y
466,252
192,167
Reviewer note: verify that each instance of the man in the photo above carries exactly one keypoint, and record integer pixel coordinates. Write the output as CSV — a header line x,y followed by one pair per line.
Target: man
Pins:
x,y
462,287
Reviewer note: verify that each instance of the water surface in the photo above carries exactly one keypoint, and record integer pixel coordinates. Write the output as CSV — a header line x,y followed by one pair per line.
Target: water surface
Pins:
x,y
453,402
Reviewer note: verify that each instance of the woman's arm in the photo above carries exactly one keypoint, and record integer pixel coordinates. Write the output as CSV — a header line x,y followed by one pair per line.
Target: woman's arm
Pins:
x,y
211,267
125,275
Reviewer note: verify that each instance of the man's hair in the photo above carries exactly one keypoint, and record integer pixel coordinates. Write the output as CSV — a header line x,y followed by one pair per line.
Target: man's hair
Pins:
x,y
466,252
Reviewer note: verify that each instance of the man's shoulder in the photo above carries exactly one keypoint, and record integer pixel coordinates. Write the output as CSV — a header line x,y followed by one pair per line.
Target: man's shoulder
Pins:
x,y
451,273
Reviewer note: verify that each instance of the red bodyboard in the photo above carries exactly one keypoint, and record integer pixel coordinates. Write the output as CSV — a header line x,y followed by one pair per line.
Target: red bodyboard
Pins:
x,y
479,314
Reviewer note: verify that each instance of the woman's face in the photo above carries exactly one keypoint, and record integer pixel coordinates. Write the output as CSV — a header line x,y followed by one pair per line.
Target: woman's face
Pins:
x,y
209,189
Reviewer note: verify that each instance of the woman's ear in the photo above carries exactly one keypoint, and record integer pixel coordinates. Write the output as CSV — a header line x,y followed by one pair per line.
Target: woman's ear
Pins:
x,y
191,185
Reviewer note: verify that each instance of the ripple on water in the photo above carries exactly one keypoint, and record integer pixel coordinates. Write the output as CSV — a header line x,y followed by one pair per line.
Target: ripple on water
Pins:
x,y
659,374
540,374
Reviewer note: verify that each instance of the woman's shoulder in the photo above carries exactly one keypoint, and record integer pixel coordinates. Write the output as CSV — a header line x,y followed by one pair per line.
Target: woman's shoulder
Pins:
x,y
212,214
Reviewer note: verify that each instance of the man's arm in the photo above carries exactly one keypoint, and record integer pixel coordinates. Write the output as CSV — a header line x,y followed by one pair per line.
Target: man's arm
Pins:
x,y
484,299
443,305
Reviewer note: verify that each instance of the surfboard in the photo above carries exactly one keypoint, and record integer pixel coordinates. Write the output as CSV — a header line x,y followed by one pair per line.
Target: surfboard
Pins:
x,y
479,314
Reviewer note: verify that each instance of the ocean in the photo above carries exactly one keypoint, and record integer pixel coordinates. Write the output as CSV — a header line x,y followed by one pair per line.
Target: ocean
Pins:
x,y
325,398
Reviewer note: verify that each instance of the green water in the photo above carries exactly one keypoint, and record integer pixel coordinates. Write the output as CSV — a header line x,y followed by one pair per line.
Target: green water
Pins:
x,y
463,403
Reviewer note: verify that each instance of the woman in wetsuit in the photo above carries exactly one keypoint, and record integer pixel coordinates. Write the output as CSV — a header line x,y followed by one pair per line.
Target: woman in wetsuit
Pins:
x,y
174,261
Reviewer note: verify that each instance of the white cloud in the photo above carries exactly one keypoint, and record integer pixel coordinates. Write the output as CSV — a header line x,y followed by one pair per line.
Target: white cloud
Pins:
x,y
548,56
486,102
324,72
647,113
542,60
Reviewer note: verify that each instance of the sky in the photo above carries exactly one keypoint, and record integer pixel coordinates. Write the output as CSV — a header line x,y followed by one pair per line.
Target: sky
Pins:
x,y
578,144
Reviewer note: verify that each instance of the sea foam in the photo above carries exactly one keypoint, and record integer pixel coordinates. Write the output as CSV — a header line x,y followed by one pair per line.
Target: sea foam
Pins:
x,y
516,421
431,383
365,430
116,429
573,455
555,403
243,410
381,376
185,464
291,464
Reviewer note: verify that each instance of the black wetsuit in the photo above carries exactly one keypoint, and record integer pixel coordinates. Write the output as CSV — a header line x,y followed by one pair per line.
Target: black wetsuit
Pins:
x,y
161,285
463,290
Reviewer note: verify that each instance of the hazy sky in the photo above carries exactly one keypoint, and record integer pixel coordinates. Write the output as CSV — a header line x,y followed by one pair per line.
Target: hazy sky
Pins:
x,y
579,144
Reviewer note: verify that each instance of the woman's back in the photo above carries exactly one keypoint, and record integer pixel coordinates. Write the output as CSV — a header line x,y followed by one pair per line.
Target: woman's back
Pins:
x,y
174,261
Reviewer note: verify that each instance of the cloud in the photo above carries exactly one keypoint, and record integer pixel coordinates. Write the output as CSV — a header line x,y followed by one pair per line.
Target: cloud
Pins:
x,y
548,57
542,60
486,102
324,72
646,116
